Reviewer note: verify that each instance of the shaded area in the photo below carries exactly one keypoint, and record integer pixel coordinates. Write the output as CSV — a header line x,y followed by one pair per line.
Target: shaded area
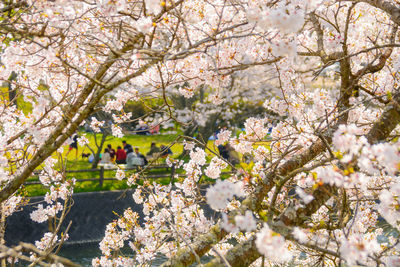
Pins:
x,y
90,214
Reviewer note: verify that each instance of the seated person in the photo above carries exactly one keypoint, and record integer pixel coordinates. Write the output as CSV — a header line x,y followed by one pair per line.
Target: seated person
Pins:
x,y
155,129
132,160
127,147
105,158
223,152
91,158
153,149
129,160
140,155
74,145
120,156
165,151
143,130
111,151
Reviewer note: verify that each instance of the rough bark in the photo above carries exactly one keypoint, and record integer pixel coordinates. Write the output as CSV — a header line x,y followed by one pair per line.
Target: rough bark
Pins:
x,y
379,132
321,195
388,121
202,245
238,256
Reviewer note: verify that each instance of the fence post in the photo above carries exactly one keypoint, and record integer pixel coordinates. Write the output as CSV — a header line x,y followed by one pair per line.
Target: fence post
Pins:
x,y
172,173
101,178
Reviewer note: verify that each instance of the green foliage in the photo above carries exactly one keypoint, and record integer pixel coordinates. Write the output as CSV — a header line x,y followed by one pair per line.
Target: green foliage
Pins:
x,y
26,107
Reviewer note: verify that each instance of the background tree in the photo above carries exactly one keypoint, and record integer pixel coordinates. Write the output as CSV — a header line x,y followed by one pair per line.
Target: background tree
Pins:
x,y
313,188
104,131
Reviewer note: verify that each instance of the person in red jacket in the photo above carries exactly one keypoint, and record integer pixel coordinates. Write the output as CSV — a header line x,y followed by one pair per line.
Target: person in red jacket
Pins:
x,y
120,156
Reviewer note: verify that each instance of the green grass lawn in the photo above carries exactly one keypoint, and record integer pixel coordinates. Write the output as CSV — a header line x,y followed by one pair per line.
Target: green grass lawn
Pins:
x,y
143,142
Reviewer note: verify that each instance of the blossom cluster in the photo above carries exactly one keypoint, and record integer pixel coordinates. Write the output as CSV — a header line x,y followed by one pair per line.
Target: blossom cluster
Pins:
x,y
58,191
216,166
286,18
272,245
166,213
219,195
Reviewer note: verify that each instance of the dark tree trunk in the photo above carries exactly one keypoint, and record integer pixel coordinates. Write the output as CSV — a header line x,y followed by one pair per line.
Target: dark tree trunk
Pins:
x,y
12,93
96,159
206,131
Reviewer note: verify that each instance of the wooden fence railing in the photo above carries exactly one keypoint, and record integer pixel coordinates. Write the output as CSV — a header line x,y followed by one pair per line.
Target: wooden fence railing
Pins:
x,y
170,173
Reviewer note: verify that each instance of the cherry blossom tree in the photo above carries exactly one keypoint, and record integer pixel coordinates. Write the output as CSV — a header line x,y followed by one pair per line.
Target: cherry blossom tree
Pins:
x,y
208,111
319,191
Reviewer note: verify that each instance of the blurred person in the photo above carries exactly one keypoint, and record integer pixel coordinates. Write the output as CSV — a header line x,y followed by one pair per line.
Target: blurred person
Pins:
x,y
165,151
106,158
153,149
233,156
223,152
111,151
127,147
120,156
140,155
73,145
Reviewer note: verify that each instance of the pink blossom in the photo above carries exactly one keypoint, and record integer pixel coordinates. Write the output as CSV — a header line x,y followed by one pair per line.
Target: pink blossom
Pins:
x,y
188,145
303,195
153,6
46,241
272,245
246,222
219,194
11,205
117,131
144,25
215,168
120,174
227,225
300,235
356,248
96,125
222,137
198,156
